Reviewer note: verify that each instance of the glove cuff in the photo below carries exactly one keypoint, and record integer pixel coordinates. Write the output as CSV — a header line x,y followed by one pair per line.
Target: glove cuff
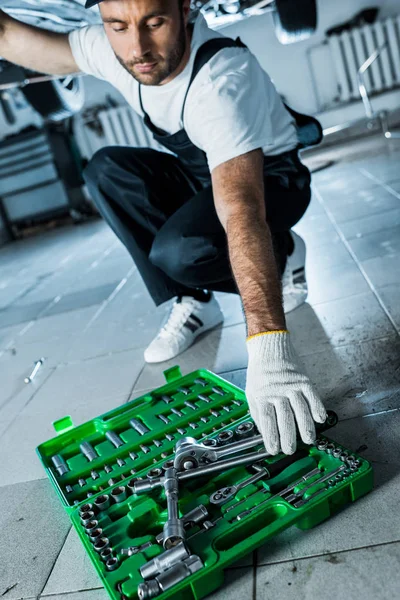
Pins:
x,y
270,346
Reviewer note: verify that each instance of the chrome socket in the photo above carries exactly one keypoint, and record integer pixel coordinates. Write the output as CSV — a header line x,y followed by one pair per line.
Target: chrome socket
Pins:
x,y
119,494
86,517
170,578
102,502
59,464
114,439
101,544
168,464
225,437
112,563
139,427
245,430
88,451
211,443
201,382
106,554
164,561
330,447
91,526
86,508
95,534
156,472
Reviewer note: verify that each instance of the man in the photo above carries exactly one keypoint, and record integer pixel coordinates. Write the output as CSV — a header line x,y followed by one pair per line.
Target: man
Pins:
x,y
215,215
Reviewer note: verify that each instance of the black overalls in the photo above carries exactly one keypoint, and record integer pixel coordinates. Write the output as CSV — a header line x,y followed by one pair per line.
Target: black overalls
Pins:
x,y
161,206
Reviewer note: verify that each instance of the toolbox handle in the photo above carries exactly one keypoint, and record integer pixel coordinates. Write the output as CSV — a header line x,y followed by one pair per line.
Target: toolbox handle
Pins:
x,y
172,374
62,425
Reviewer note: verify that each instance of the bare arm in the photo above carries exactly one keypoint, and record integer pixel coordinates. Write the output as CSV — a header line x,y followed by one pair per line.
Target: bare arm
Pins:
x,y
35,48
238,188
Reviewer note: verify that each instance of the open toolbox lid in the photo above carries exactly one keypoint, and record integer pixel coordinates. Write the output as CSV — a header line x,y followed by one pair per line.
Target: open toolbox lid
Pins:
x,y
108,455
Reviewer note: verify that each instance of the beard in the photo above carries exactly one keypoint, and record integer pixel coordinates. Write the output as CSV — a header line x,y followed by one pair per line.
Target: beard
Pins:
x,y
165,65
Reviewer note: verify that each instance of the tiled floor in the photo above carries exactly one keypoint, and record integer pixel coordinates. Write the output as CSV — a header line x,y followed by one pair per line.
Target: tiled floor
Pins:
x,y
73,297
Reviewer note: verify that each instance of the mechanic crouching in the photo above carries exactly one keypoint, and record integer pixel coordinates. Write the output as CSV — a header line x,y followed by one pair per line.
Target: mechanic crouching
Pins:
x,y
213,212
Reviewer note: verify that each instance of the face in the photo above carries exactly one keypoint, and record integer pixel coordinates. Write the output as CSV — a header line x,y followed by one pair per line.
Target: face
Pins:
x,y
149,37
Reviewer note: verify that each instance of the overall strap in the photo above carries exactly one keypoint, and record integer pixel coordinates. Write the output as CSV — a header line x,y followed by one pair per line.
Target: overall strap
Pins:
x,y
205,53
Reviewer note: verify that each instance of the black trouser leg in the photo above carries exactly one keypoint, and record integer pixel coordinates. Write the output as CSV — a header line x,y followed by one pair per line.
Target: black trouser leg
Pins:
x,y
191,247
171,229
136,190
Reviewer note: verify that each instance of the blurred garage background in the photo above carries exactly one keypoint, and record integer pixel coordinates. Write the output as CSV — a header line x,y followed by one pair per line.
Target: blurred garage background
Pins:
x,y
313,52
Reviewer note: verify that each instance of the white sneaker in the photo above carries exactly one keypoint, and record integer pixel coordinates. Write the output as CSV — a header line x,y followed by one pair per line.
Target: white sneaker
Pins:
x,y
294,284
188,319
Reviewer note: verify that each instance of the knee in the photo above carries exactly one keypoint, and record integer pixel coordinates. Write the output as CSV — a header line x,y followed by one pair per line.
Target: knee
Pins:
x,y
186,260
100,164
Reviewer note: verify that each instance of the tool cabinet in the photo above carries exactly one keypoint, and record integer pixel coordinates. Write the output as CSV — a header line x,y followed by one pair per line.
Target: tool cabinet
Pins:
x,y
100,462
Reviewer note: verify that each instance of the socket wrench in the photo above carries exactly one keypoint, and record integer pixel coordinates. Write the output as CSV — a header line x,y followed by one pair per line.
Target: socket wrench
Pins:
x,y
173,531
143,487
190,454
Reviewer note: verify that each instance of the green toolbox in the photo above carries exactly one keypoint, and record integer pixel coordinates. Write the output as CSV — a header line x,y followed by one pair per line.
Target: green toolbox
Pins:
x,y
168,490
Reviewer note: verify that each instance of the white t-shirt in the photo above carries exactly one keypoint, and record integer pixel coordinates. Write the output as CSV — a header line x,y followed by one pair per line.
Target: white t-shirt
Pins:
x,y
232,106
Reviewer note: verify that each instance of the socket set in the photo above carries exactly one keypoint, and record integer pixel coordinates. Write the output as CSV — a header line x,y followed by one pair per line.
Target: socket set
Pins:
x,y
168,490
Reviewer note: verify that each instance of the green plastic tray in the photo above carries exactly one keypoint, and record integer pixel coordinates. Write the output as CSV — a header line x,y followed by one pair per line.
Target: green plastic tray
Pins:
x,y
140,518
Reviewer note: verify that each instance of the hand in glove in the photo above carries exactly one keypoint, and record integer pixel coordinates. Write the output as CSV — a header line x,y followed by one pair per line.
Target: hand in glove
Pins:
x,y
279,394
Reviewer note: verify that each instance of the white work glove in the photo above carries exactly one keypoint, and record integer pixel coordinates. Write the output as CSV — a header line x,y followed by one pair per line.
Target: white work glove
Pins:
x,y
279,394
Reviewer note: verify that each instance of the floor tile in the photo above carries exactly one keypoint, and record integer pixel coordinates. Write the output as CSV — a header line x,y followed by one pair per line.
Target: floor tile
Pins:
x,y
334,283
98,594
222,349
381,243
21,356
382,270
316,230
18,449
107,336
73,570
78,300
61,325
337,323
83,386
357,379
33,530
231,307
341,191
367,574
371,224
16,394
15,315
327,256
372,519
238,583
390,296
375,204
